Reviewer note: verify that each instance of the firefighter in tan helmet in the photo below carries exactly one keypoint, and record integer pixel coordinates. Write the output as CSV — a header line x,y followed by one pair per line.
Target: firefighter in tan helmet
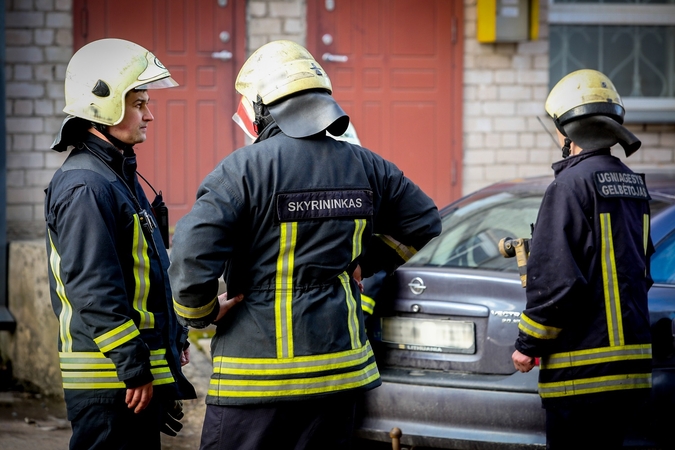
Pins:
x,y
587,316
120,345
289,220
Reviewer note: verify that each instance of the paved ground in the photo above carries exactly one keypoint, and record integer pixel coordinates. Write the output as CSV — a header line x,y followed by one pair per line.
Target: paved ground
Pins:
x,y
30,422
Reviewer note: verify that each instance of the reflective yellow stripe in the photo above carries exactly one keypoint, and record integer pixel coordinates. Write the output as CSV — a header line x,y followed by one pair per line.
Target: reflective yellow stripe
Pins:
x,y
367,304
283,295
405,252
93,370
292,366
117,336
66,314
537,330
596,356
645,231
345,279
645,234
141,276
194,313
352,309
290,387
595,385
610,283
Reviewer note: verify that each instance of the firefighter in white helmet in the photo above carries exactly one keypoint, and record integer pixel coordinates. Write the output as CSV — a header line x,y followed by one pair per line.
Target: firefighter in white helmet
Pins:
x,y
588,274
120,345
288,220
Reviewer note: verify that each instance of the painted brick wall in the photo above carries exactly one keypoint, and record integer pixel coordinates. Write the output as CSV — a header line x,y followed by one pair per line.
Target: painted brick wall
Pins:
x,y
505,86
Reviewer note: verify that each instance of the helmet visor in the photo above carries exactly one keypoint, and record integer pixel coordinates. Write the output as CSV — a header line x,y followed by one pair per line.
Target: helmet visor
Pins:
x,y
167,82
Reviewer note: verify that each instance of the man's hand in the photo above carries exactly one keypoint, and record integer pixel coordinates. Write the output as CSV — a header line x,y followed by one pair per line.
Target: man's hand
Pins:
x,y
357,276
227,304
185,357
523,363
139,398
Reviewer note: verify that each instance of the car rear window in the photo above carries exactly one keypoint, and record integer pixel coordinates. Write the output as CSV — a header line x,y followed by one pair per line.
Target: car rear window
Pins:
x,y
663,261
472,231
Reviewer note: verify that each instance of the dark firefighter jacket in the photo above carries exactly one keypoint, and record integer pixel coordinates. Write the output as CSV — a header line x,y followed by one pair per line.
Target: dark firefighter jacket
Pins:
x,y
587,280
108,282
285,220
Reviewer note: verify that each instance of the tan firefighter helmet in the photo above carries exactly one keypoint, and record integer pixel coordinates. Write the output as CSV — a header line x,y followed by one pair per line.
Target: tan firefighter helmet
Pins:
x,y
284,76
586,107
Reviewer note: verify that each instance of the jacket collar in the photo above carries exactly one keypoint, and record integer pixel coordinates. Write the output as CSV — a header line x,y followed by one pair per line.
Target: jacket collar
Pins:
x,y
572,161
124,164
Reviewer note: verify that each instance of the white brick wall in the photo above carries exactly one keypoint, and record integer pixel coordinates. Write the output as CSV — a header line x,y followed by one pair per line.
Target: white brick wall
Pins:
x,y
38,46
505,86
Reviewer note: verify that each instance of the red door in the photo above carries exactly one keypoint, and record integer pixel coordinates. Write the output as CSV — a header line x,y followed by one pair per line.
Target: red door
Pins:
x,y
396,69
193,128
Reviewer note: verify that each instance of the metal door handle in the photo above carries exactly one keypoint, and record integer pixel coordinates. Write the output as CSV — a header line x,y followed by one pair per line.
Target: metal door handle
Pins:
x,y
335,58
223,55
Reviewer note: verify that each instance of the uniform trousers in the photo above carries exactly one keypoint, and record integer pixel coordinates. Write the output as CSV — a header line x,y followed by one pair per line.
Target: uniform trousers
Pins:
x,y
322,424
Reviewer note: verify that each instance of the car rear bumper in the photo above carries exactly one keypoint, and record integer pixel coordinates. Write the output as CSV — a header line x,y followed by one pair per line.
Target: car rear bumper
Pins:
x,y
444,410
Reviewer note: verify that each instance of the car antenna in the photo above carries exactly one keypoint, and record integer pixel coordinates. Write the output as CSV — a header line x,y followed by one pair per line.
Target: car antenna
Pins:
x,y
555,143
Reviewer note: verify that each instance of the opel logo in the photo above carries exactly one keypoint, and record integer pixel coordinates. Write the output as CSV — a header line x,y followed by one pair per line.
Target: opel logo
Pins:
x,y
417,286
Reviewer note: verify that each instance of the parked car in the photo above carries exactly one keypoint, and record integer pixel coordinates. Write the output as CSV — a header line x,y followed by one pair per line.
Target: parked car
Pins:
x,y
446,322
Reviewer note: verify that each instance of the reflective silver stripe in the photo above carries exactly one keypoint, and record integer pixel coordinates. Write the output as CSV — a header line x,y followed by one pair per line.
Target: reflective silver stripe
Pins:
x,y
292,366
66,314
367,304
195,313
291,387
596,356
117,336
610,283
352,310
141,276
405,252
283,295
93,370
645,234
537,330
84,360
595,385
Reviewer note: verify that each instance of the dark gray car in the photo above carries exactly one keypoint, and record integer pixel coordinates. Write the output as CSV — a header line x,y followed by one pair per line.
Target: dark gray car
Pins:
x,y
446,322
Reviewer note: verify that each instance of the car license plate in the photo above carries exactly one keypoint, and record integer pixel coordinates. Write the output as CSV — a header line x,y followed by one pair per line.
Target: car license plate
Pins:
x,y
427,335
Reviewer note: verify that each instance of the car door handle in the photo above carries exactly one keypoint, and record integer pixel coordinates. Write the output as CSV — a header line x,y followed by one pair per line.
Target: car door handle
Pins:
x,y
223,55
335,58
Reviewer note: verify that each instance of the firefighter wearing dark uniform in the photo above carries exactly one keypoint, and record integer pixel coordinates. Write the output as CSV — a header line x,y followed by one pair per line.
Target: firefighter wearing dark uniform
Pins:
x,y
287,219
588,274
118,333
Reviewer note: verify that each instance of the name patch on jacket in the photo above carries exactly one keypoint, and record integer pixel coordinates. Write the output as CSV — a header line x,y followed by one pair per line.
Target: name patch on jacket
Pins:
x,y
324,204
621,184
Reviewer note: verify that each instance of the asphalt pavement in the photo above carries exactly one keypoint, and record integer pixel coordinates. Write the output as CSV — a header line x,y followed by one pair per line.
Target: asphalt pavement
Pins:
x,y
32,422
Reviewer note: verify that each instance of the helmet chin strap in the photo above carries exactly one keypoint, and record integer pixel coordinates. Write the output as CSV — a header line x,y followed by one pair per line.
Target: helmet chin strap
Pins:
x,y
566,148
263,118
103,129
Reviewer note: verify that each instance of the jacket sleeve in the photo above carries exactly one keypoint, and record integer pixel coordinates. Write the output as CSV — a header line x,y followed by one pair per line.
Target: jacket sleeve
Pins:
x,y
93,278
561,242
405,221
203,242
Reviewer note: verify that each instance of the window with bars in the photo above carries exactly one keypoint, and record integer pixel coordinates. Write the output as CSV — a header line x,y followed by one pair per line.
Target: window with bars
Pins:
x,y
631,41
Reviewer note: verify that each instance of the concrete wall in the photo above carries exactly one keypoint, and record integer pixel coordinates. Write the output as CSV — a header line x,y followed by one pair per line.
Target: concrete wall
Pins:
x,y
32,348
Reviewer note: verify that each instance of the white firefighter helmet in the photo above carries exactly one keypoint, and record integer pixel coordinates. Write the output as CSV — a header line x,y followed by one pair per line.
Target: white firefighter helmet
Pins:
x,y
101,73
